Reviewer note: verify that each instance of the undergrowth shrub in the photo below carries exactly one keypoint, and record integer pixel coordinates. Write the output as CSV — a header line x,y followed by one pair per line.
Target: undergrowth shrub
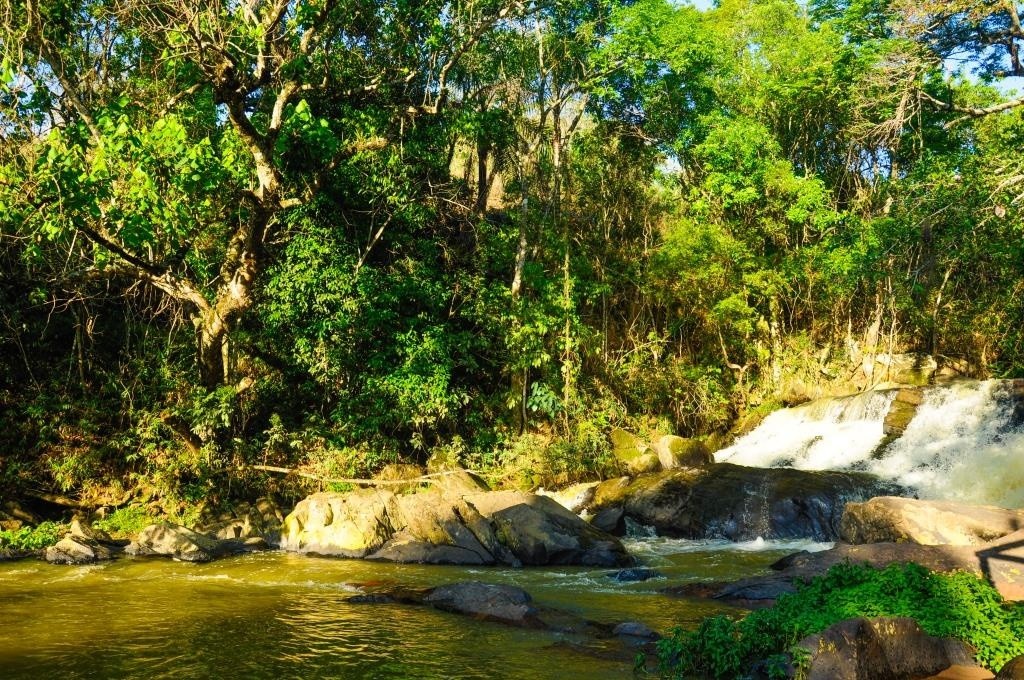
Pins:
x,y
32,538
957,605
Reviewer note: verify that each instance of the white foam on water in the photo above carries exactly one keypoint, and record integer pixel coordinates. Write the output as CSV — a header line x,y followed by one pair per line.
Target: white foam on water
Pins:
x,y
672,546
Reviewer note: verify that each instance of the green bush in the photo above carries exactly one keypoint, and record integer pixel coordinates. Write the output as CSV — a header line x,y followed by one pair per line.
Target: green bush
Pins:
x,y
125,522
32,538
957,605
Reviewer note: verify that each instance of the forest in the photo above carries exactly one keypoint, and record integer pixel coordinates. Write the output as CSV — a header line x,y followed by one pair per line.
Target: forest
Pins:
x,y
333,235
407,266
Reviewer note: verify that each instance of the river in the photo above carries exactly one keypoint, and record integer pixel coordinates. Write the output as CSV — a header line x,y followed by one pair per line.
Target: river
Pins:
x,y
281,615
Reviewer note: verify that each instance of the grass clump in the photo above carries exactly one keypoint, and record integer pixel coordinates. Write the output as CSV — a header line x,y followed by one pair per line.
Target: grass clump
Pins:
x,y
956,605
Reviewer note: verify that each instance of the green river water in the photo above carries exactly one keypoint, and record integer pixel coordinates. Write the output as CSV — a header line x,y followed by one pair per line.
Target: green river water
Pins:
x,y
280,615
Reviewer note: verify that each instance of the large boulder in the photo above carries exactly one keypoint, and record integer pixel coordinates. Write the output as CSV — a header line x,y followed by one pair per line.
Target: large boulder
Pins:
x,y
505,604
674,452
739,503
77,550
434,528
539,531
179,543
458,483
352,524
397,473
1012,669
445,527
573,498
643,464
908,520
880,649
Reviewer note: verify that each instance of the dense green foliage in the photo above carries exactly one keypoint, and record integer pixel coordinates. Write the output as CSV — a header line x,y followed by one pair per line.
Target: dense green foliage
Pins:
x,y
957,605
36,537
336,235
125,522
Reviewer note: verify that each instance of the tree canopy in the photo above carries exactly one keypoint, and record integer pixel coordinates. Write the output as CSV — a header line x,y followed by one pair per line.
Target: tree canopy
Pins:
x,y
340,233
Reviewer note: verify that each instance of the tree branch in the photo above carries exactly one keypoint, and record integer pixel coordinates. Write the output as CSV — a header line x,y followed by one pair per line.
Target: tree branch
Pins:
x,y
970,112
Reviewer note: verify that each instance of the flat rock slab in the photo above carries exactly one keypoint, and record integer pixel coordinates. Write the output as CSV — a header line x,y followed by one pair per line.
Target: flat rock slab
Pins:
x,y
909,520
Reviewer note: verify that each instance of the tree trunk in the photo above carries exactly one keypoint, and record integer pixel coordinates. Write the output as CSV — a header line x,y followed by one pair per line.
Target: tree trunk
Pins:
x,y
213,350
483,188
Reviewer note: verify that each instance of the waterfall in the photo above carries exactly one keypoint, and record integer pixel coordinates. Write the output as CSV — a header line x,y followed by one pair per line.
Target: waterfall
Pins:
x,y
965,443
827,434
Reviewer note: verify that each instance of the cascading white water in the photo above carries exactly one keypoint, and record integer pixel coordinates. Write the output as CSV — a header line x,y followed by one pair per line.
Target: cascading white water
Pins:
x,y
963,443
828,434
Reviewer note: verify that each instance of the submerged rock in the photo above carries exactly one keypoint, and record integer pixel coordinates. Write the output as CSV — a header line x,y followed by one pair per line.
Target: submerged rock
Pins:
x,y
635,629
739,503
634,575
505,604
880,648
908,520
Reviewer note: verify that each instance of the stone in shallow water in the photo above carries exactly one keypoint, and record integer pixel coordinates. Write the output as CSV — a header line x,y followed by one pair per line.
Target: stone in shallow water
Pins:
x,y
76,550
631,575
506,604
635,629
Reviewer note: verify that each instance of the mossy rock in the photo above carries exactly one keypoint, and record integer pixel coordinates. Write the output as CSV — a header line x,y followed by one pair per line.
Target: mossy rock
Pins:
x,y
674,452
644,463
627,447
